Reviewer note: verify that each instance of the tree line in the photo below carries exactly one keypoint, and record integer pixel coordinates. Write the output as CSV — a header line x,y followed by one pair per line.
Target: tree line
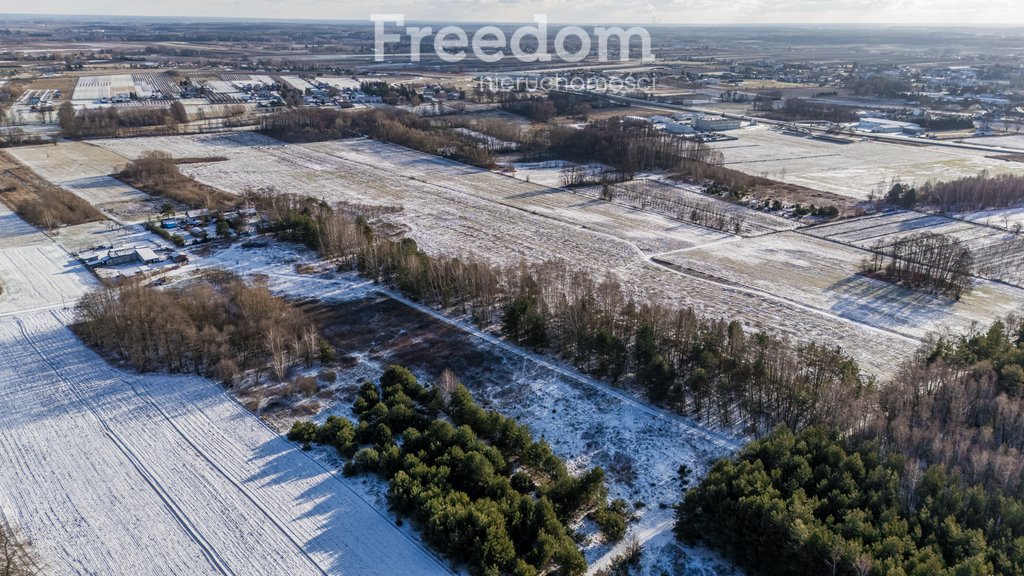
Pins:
x,y
475,483
112,121
708,368
387,124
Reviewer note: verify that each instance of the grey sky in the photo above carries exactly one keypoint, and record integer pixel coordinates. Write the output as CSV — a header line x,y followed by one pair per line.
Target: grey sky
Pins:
x,y
896,12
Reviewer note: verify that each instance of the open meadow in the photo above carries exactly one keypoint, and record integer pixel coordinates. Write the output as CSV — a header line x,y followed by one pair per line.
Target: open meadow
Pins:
x,y
855,169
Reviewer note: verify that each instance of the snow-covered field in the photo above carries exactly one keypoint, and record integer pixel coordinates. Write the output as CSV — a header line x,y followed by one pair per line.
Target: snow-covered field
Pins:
x,y
85,170
115,473
34,271
455,209
824,275
108,472
856,169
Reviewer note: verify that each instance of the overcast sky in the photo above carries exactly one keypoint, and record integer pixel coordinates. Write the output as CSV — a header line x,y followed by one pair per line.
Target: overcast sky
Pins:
x,y
896,12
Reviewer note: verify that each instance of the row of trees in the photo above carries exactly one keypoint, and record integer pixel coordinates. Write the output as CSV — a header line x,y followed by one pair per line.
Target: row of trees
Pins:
x,y
111,121
811,503
218,327
707,367
925,260
477,485
963,194
974,192
644,194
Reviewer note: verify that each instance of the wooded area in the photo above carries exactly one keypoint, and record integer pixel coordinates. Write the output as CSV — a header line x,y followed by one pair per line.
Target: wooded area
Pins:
x,y
479,488
927,261
385,124
218,327
812,504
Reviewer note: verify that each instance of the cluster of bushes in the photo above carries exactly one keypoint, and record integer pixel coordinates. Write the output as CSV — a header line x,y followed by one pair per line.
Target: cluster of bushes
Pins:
x,y
477,485
217,327
157,173
812,504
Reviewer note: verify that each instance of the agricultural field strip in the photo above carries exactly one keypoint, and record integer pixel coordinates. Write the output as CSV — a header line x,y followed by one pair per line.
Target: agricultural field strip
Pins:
x,y
84,170
248,499
868,231
824,274
450,216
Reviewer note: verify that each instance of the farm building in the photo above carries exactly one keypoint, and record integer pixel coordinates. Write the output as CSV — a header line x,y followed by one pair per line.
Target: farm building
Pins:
x,y
716,124
885,126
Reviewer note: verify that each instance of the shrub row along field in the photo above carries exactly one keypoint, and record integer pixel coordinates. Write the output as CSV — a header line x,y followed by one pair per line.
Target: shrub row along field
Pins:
x,y
812,504
477,485
39,202
157,173
218,327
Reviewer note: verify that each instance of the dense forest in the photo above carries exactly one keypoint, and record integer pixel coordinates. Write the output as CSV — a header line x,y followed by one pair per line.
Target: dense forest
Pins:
x,y
476,484
218,327
812,504
928,481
